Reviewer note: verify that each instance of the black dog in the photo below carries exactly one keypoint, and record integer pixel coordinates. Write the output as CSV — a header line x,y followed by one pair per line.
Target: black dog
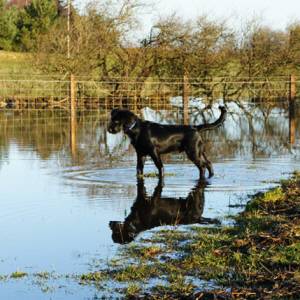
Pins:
x,y
153,139
152,211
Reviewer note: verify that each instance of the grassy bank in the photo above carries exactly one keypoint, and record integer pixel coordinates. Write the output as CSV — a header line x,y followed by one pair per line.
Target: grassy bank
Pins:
x,y
15,63
257,258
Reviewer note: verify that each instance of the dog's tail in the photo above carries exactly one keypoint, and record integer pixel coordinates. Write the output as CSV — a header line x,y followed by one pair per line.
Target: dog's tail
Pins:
x,y
215,124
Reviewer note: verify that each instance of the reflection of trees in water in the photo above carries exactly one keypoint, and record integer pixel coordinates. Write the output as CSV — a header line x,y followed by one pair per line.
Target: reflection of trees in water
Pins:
x,y
249,130
43,132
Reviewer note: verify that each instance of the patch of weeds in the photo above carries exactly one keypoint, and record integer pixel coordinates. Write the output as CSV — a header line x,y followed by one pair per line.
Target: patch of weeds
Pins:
x,y
171,237
137,272
257,222
263,200
142,252
164,239
286,255
154,175
116,262
43,275
207,254
150,175
178,288
18,274
132,290
3,277
94,276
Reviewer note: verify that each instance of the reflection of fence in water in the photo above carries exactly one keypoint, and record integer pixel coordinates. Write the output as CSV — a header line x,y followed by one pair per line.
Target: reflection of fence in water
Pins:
x,y
49,132
54,132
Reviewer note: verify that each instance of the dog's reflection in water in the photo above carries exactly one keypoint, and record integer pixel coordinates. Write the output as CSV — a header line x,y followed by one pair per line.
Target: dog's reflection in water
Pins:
x,y
152,211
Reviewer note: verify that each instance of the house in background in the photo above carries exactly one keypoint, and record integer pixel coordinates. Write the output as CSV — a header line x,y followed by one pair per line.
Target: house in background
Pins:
x,y
18,3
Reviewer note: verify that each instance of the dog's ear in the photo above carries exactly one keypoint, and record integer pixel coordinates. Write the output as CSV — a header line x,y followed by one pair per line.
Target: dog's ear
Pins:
x,y
114,112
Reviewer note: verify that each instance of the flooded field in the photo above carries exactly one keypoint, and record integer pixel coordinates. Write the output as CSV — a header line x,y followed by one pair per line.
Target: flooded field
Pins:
x,y
70,200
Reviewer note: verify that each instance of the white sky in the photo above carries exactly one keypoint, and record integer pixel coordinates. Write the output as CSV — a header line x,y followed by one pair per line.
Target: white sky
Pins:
x,y
276,13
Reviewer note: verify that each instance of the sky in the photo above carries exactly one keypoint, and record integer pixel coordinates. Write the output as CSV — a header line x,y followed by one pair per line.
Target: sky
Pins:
x,y
275,13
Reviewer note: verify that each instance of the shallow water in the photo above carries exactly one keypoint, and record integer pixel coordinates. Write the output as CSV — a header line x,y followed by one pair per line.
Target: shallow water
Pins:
x,y
57,202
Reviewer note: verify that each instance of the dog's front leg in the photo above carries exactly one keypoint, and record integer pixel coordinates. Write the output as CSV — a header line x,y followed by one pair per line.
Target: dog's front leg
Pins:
x,y
140,165
158,163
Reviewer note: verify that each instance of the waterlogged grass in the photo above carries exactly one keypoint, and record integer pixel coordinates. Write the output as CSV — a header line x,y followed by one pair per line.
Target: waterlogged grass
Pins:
x,y
143,252
154,175
3,277
95,276
43,275
18,274
133,290
257,258
178,287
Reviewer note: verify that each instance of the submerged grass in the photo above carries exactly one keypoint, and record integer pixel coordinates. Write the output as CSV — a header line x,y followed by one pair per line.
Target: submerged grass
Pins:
x,y
154,175
257,258
18,274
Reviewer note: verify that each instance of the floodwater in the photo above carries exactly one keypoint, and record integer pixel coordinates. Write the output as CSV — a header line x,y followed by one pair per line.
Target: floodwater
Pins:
x,y
69,201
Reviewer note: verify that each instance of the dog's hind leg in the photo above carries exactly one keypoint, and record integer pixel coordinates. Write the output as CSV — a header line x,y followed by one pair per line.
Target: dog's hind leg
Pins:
x,y
140,164
208,165
194,157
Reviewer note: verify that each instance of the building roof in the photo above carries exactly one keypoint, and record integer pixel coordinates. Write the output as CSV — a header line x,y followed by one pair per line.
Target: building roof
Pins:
x,y
18,3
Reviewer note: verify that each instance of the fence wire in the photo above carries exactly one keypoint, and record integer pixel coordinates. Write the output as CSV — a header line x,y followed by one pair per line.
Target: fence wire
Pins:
x,y
163,93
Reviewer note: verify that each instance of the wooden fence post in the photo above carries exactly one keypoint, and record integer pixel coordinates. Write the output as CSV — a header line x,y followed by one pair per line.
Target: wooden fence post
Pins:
x,y
292,87
72,95
185,98
73,119
292,109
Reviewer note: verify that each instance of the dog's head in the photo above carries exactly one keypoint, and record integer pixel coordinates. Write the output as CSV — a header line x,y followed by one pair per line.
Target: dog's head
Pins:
x,y
122,232
121,119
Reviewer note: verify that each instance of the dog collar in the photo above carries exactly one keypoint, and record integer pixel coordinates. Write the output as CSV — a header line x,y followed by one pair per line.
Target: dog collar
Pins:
x,y
132,125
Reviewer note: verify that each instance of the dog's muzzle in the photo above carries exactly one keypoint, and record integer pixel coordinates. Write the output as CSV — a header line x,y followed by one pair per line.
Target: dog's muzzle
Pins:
x,y
112,129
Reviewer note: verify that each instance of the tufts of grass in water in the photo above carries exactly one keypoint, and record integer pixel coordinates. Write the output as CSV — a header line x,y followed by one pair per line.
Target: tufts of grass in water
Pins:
x,y
18,274
137,272
132,291
177,288
94,276
141,252
43,275
3,277
154,175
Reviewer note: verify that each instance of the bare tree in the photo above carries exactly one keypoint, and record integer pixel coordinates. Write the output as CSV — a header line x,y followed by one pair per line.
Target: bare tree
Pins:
x,y
294,46
95,36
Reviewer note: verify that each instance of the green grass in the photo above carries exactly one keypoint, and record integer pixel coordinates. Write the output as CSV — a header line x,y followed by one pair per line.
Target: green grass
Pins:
x,y
15,63
18,274
94,276
132,290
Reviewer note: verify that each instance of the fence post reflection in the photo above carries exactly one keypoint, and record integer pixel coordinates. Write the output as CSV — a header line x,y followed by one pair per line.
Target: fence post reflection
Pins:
x,y
73,120
292,110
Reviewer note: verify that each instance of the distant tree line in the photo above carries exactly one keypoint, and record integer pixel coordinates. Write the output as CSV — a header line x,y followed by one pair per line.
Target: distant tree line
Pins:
x,y
23,21
103,44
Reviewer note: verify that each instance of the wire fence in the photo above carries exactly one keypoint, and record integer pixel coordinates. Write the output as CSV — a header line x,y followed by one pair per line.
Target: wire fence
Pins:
x,y
38,91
